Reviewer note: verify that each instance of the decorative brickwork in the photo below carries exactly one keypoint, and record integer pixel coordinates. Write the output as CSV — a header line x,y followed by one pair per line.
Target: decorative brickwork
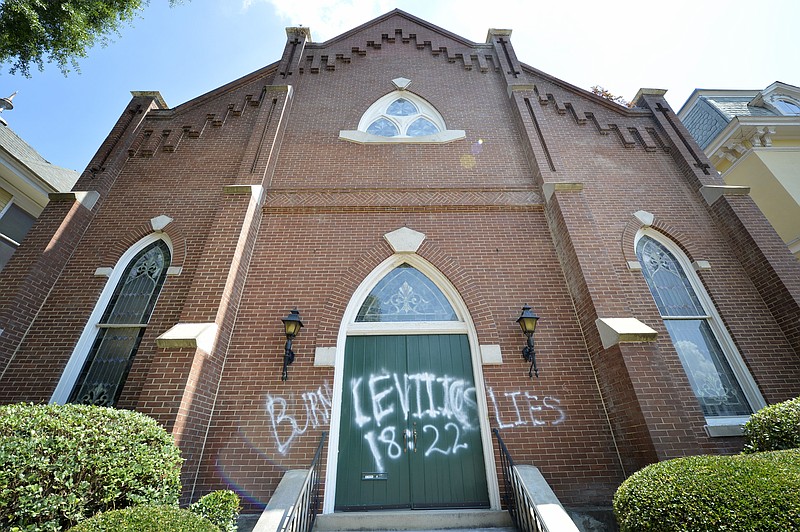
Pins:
x,y
269,210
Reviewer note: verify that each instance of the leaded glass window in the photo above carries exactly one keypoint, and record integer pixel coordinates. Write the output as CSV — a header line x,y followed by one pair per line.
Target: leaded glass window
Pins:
x,y
406,294
690,328
383,127
121,328
420,127
401,114
402,107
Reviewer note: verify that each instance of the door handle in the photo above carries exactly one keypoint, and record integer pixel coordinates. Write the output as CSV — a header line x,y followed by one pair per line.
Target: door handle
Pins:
x,y
415,437
405,440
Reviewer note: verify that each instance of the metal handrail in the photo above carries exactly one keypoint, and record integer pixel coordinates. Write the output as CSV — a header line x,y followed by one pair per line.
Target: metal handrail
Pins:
x,y
515,497
300,517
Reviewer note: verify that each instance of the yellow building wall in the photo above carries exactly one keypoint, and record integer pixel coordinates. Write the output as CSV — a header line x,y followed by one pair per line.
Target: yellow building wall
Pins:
x,y
773,176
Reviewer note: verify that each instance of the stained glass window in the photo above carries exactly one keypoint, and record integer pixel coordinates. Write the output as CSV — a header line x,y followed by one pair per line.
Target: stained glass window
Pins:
x,y
122,327
401,114
383,127
420,127
406,294
401,107
689,327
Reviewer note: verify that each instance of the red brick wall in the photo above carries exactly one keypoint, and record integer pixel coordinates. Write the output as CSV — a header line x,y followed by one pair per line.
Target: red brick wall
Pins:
x,y
327,205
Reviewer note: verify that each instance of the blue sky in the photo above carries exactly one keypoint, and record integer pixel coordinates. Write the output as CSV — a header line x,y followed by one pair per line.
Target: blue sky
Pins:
x,y
190,49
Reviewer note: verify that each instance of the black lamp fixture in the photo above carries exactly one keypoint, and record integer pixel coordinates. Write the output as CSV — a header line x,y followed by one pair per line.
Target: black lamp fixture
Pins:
x,y
527,322
291,325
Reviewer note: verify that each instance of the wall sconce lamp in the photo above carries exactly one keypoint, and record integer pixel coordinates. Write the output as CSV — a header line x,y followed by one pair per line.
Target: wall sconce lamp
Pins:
x,y
527,322
291,325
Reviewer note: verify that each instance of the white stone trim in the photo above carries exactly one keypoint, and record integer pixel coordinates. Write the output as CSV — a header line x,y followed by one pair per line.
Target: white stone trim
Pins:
x,y
618,330
725,427
104,272
732,354
325,356
634,266
404,240
200,336
550,188
491,355
700,265
75,363
549,508
644,218
463,326
712,193
87,199
256,191
362,137
159,223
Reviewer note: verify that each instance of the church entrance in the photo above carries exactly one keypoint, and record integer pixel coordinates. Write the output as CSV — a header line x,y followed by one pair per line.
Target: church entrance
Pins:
x,y
410,423
409,434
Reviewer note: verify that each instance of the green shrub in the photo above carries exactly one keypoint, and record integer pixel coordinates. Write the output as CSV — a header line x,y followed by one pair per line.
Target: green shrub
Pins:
x,y
713,493
146,519
774,428
220,507
60,464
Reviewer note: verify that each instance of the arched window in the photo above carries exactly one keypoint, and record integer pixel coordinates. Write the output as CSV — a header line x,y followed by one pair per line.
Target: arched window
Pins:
x,y
406,294
402,117
401,114
716,372
787,108
113,338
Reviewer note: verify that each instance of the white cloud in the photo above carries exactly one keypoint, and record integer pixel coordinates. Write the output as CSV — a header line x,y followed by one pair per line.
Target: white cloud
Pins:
x,y
326,18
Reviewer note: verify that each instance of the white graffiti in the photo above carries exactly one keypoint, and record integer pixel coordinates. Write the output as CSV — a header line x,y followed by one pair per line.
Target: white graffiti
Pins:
x,y
444,406
433,397
528,409
285,427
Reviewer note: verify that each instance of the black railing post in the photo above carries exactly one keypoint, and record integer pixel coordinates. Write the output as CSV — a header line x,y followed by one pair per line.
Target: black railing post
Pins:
x,y
302,515
520,506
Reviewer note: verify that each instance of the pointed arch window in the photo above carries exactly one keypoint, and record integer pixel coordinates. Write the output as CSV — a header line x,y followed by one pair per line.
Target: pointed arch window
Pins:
x,y
716,372
121,327
406,294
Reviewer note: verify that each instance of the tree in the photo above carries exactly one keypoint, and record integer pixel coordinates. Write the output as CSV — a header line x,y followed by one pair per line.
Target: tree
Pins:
x,y
600,91
33,32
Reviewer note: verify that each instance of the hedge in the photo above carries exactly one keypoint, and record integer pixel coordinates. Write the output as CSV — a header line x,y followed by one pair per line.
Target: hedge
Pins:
x,y
220,507
774,428
146,519
713,493
60,464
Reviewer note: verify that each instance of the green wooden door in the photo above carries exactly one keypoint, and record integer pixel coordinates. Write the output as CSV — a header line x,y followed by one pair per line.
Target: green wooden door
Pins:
x,y
409,435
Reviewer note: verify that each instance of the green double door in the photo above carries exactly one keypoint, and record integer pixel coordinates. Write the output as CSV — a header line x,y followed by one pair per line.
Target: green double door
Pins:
x,y
410,433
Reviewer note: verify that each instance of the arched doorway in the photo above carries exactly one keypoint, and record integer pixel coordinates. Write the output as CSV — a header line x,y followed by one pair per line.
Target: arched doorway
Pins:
x,y
410,426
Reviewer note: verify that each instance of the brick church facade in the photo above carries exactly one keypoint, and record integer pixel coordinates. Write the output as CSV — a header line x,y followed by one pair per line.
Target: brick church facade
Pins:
x,y
408,192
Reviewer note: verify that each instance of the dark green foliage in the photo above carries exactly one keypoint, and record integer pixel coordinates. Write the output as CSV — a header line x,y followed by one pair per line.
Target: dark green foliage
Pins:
x,y
60,464
220,507
774,428
33,32
146,519
713,493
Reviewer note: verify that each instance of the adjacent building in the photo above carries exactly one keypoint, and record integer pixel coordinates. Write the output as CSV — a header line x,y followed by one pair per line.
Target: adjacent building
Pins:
x,y
753,139
26,180
408,192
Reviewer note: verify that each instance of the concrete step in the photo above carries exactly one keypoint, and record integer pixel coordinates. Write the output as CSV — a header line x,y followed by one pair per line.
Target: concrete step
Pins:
x,y
419,520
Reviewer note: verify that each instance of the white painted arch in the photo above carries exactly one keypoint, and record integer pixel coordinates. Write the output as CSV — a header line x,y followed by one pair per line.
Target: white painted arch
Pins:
x,y
464,325
75,363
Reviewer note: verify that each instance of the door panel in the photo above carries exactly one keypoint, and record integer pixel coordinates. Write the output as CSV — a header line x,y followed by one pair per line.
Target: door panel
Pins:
x,y
372,472
447,469
410,435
